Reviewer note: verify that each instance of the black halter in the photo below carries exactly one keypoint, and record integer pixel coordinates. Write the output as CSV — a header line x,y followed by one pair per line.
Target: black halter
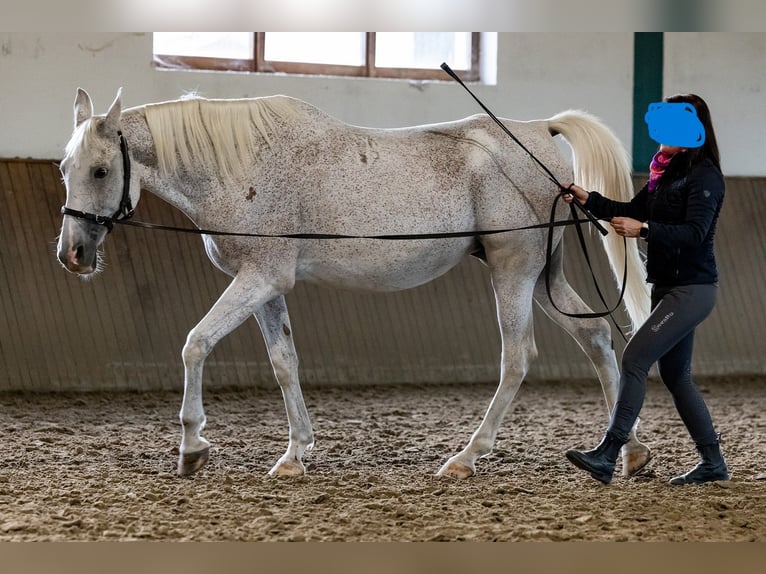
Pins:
x,y
125,210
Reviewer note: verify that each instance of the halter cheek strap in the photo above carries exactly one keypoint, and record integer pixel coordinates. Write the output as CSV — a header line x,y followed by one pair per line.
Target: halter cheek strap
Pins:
x,y
125,210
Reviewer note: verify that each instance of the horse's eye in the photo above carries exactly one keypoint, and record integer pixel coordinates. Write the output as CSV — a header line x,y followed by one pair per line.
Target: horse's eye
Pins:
x,y
100,173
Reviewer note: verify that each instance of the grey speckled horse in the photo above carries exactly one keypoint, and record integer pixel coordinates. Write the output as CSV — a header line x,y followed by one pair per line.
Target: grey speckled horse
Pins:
x,y
279,165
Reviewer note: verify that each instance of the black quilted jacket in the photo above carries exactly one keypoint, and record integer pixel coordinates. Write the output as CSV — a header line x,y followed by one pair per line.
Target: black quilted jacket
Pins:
x,y
682,213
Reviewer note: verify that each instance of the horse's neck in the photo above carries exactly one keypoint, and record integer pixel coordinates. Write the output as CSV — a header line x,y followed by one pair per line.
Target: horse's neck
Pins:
x,y
142,150
194,188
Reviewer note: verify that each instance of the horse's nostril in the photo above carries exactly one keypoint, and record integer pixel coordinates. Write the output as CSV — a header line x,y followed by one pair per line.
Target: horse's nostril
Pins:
x,y
79,253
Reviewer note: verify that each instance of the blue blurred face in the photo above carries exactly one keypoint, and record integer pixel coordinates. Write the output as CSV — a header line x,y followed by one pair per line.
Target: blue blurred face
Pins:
x,y
675,125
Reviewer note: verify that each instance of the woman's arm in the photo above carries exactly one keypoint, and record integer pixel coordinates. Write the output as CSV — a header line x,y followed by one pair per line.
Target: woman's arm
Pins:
x,y
625,217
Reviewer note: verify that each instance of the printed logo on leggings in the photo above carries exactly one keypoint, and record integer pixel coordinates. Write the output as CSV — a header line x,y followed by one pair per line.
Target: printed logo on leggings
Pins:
x,y
664,320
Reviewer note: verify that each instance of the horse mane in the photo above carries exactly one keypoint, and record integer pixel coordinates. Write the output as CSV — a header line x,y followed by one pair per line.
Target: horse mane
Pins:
x,y
217,134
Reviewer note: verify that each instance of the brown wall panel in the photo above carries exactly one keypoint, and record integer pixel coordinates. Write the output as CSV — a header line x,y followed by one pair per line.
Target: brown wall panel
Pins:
x,y
124,329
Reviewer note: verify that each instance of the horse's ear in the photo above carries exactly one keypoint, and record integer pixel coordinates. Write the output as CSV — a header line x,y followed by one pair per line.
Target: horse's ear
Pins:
x,y
83,107
112,121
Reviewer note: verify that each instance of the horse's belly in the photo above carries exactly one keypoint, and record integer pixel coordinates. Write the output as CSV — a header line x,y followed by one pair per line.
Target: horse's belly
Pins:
x,y
378,265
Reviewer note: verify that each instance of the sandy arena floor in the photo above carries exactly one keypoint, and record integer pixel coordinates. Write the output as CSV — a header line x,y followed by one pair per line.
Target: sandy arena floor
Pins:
x,y
101,467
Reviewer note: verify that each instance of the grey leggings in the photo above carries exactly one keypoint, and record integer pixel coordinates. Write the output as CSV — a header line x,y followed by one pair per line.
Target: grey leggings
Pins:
x,y
667,337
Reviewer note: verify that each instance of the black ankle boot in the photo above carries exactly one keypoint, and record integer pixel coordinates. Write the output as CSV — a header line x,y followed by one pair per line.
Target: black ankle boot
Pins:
x,y
711,467
600,461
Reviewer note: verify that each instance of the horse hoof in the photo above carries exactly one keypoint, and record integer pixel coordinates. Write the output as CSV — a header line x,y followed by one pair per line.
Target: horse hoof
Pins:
x,y
454,469
191,462
635,460
288,468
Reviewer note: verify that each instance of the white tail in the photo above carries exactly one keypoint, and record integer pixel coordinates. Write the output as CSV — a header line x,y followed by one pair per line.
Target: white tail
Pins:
x,y
602,163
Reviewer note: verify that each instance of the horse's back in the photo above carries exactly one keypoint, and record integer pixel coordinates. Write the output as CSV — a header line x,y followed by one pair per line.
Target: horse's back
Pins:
x,y
433,171
453,176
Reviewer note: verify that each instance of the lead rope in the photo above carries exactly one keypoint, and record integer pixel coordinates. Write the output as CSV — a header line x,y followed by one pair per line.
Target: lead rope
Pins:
x,y
583,247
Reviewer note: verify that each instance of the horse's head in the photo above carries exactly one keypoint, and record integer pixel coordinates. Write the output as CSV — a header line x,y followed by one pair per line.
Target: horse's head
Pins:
x,y
96,171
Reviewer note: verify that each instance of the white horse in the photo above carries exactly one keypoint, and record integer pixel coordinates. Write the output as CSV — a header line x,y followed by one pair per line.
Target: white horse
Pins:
x,y
277,165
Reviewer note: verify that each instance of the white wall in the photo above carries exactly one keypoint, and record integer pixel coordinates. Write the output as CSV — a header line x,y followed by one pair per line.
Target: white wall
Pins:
x,y
538,75
729,71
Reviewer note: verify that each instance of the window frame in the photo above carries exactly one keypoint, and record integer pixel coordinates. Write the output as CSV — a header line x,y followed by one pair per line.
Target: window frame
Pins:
x,y
260,65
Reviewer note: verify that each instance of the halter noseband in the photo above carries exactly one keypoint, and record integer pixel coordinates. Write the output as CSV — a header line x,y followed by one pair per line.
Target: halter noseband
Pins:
x,y
125,210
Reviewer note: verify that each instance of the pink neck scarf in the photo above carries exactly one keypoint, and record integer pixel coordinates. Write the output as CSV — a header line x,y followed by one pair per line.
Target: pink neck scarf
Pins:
x,y
657,167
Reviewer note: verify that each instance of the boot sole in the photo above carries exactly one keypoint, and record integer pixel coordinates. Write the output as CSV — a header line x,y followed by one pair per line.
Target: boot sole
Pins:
x,y
701,476
573,458
681,481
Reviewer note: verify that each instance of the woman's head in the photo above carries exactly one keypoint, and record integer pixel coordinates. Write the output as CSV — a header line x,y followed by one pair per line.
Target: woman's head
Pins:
x,y
710,148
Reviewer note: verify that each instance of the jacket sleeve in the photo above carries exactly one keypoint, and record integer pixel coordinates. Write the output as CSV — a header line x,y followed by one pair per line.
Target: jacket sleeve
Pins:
x,y
706,189
605,208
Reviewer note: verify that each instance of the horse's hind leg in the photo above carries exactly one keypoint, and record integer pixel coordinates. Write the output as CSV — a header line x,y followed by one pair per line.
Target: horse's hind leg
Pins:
x,y
513,293
594,336
240,299
277,333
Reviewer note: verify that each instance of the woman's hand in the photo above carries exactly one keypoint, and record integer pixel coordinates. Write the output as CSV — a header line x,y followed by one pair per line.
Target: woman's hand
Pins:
x,y
626,227
574,192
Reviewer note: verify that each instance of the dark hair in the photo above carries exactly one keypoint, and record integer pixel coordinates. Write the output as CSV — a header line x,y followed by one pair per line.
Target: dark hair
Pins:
x,y
709,150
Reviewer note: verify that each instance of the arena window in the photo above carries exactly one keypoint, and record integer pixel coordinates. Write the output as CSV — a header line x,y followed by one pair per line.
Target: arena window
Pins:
x,y
407,55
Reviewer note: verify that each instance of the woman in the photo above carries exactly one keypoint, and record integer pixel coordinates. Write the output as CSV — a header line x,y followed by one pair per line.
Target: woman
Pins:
x,y
676,214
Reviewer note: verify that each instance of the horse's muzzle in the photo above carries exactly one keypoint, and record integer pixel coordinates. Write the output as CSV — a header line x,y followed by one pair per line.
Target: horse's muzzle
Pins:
x,y
78,259
77,248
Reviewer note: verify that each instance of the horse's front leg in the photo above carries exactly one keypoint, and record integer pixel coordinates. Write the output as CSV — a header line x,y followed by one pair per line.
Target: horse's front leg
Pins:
x,y
241,298
514,303
277,333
